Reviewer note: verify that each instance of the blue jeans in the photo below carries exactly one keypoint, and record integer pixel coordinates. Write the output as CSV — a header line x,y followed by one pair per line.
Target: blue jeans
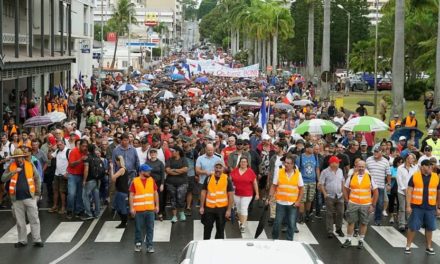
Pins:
x,y
103,188
91,188
379,206
288,212
120,203
74,193
144,220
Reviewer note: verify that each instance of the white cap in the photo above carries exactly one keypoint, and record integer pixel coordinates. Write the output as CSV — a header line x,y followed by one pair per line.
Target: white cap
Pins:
x,y
430,131
402,138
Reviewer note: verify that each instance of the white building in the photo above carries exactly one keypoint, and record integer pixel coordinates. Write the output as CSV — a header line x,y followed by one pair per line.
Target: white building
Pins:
x,y
43,43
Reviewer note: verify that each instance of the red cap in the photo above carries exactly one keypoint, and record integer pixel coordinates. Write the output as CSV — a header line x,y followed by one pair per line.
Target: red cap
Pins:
x,y
334,159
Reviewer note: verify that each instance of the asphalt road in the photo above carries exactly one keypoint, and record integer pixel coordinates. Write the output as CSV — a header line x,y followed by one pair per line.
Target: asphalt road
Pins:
x,y
97,241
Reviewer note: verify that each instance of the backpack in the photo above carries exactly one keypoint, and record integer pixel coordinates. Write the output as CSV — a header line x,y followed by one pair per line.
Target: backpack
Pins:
x,y
96,168
67,155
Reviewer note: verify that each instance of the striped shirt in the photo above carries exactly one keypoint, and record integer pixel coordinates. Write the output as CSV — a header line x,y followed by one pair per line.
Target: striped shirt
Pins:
x,y
379,170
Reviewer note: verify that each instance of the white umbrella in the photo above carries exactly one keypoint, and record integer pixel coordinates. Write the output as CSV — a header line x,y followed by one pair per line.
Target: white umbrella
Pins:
x,y
303,102
165,94
56,116
316,127
365,124
125,87
249,104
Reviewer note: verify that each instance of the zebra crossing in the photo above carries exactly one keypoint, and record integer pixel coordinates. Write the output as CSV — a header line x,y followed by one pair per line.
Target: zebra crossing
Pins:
x,y
65,232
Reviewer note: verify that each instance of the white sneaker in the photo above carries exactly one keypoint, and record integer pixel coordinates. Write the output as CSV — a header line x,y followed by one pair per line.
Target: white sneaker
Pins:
x,y
384,213
138,247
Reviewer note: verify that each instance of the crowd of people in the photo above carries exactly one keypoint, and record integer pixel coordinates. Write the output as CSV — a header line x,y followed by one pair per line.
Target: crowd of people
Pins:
x,y
138,152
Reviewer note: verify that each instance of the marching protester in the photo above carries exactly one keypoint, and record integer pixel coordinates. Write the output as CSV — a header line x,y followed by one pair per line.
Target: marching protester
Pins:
x,y
144,203
358,191
423,204
24,190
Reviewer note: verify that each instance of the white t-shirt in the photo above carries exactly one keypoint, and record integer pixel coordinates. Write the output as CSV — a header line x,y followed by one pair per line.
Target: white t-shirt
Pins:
x,y
142,155
424,157
300,184
62,161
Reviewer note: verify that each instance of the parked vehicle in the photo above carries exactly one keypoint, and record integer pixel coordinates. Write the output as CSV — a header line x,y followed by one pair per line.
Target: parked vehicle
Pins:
x,y
248,251
358,84
385,84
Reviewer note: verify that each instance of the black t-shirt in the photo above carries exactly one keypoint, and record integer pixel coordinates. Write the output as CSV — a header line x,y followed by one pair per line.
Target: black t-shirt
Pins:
x,y
22,191
121,183
229,188
177,164
352,157
425,204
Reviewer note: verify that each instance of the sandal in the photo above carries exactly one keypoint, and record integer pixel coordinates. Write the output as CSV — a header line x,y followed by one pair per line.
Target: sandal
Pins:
x,y
53,210
160,217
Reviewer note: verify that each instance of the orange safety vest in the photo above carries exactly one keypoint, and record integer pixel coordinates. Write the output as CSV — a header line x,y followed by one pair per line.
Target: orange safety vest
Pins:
x,y
13,129
394,123
29,173
287,190
417,194
50,107
360,193
217,195
143,199
409,122
27,144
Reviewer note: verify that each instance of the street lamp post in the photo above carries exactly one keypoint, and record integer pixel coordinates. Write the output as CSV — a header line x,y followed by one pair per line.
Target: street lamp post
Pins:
x,y
348,37
101,59
129,40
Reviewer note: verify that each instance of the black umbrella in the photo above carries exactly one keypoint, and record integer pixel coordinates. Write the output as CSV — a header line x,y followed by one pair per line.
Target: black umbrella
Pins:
x,y
262,222
367,103
162,86
112,93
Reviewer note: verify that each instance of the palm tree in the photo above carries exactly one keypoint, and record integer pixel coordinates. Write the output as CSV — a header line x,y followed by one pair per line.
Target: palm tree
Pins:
x,y
310,41
399,58
119,21
325,61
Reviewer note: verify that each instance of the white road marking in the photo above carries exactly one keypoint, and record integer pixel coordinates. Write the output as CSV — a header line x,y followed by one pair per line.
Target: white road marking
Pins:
x,y
12,235
304,235
109,232
64,233
435,235
392,236
198,230
82,240
250,230
162,231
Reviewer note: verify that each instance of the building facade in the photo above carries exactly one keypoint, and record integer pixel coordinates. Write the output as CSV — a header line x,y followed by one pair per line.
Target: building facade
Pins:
x,y
41,48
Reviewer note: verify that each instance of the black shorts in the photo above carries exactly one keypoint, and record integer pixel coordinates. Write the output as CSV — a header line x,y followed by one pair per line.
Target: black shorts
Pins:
x,y
191,184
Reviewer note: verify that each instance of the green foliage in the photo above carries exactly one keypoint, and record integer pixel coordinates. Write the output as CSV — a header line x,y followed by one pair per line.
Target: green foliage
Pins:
x,y
97,31
205,7
156,52
121,17
415,90
190,11
242,57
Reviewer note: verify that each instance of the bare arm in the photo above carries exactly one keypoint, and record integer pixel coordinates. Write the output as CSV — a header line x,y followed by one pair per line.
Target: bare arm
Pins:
x,y
255,185
300,195
375,196
116,175
130,201
346,193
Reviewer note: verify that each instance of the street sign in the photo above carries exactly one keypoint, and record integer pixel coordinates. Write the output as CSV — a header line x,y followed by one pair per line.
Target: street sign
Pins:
x,y
141,44
96,56
151,19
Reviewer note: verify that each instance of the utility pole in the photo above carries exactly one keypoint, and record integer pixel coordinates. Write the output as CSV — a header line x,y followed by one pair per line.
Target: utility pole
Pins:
x,y
129,42
101,58
375,57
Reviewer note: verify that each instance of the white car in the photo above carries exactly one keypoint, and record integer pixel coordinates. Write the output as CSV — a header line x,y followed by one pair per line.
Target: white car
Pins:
x,y
245,251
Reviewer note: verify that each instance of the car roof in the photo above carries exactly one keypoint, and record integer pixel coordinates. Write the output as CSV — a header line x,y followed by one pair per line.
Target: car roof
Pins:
x,y
250,251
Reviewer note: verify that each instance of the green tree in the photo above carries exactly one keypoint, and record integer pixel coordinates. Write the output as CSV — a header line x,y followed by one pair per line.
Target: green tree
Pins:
x,y
190,10
97,32
205,7
119,22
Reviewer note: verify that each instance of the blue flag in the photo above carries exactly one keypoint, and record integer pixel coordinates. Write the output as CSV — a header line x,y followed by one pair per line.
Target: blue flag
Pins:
x,y
263,115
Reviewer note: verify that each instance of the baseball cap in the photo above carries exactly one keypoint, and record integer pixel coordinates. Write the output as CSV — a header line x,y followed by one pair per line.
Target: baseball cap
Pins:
x,y
239,141
428,148
301,141
412,113
334,159
430,131
376,149
144,167
402,138
219,162
364,143
153,150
